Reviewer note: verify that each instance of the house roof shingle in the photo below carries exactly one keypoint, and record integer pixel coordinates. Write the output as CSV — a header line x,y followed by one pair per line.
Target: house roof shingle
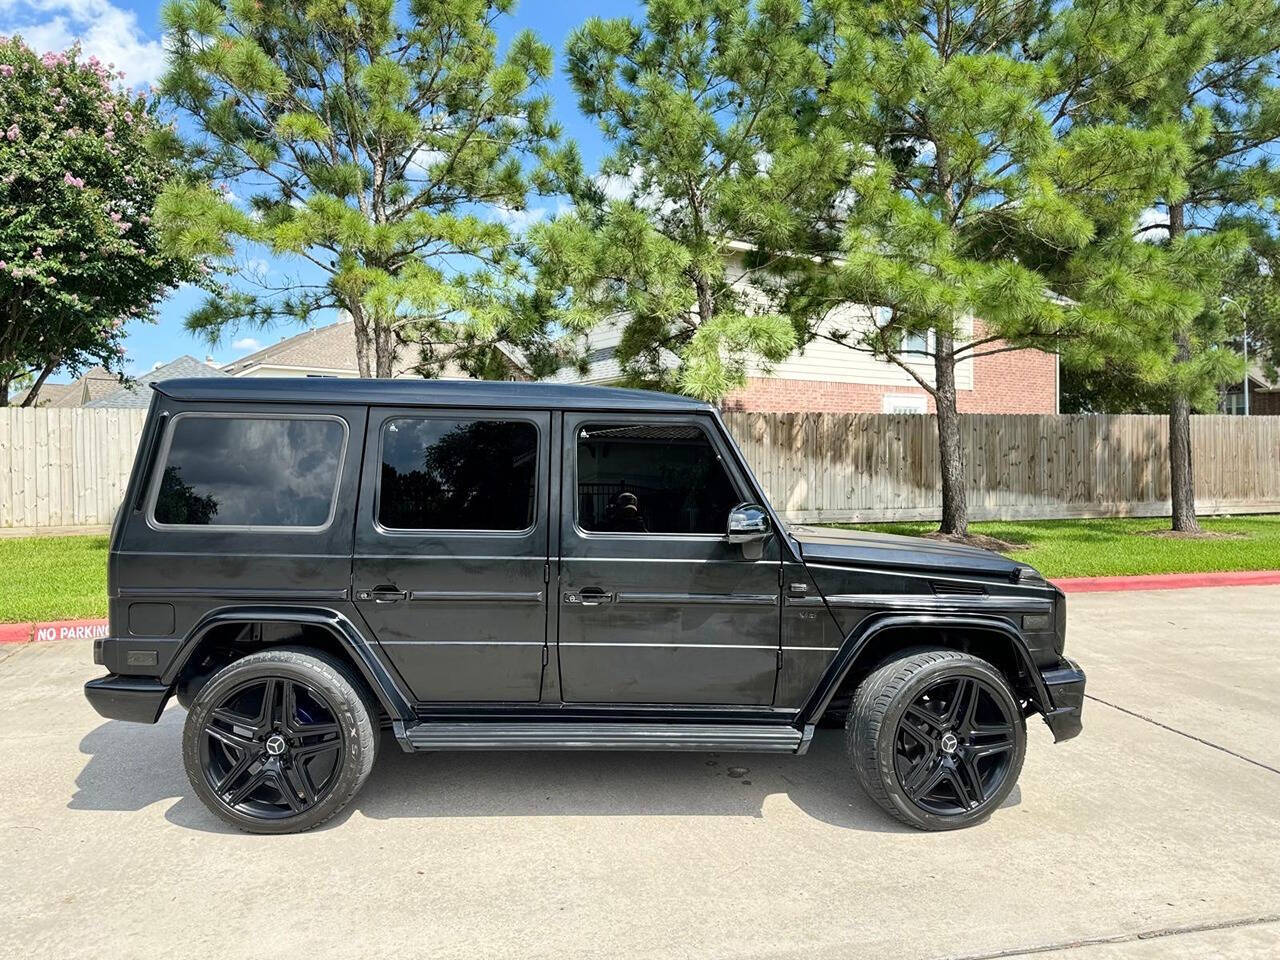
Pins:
x,y
138,394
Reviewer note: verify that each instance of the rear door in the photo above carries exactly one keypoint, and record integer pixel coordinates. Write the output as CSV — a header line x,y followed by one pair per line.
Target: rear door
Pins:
x,y
655,605
450,559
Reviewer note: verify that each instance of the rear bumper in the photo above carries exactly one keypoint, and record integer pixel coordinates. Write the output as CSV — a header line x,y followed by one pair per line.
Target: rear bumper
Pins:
x,y
136,699
1065,684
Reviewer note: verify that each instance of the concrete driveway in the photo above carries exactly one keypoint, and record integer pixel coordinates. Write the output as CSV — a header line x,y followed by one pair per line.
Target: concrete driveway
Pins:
x,y
1154,835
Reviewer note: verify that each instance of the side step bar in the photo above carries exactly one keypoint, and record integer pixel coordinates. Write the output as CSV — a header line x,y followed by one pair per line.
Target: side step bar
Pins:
x,y
556,735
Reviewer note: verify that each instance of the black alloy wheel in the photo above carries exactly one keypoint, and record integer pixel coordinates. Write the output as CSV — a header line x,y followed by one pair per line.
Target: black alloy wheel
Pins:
x,y
272,748
280,740
936,738
954,746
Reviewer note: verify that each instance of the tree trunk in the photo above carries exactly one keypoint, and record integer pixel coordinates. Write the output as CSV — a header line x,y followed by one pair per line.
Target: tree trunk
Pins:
x,y
362,341
955,497
30,399
384,350
4,393
1182,491
1181,481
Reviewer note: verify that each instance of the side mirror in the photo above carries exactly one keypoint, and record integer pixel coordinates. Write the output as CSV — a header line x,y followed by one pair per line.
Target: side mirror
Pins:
x,y
749,527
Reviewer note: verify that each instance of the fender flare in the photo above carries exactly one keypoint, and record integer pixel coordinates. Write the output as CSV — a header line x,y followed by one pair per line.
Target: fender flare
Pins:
x,y
857,641
381,681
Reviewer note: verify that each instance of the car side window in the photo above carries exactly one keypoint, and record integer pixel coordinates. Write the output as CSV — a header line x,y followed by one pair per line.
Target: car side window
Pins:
x,y
456,474
662,478
250,471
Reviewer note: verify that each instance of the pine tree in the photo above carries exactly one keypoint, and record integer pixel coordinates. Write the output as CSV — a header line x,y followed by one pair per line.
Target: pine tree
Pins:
x,y
992,178
713,169
376,143
1220,88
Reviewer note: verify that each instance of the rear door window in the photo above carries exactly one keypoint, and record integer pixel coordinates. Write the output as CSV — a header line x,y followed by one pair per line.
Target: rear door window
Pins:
x,y
250,471
455,474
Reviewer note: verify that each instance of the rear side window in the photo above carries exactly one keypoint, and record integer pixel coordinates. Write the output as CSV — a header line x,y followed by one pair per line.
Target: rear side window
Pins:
x,y
651,478
447,474
233,471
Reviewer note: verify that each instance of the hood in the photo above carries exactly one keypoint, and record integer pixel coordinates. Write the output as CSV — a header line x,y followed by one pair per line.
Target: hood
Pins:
x,y
856,547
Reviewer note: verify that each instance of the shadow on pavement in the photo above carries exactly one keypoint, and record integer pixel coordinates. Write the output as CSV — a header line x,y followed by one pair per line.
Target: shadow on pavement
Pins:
x,y
132,766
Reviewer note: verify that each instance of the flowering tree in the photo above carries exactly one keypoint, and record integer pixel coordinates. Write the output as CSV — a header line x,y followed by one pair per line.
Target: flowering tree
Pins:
x,y
82,161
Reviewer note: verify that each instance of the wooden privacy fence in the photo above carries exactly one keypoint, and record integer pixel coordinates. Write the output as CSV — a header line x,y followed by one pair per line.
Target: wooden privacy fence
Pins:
x,y
871,466
67,467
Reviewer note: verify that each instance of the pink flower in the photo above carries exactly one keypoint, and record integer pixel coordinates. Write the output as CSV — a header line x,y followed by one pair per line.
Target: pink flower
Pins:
x,y
71,181
6,70
12,132
108,134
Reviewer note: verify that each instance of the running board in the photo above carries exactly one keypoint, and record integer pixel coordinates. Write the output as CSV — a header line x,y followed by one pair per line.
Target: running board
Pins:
x,y
559,735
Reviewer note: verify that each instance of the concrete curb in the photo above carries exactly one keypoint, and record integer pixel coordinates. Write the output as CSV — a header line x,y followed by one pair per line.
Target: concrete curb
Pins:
x,y
52,630
1169,581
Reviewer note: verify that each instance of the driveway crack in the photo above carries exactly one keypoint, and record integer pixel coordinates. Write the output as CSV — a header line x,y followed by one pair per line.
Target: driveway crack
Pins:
x,y
1183,733
1156,934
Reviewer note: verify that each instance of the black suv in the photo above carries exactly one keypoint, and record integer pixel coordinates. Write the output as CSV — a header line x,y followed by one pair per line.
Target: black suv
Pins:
x,y
514,566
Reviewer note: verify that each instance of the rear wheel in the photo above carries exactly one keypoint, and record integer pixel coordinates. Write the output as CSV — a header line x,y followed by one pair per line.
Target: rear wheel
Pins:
x,y
936,738
279,741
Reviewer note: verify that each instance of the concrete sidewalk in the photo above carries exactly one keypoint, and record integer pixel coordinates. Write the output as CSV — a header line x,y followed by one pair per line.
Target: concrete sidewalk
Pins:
x,y
1156,834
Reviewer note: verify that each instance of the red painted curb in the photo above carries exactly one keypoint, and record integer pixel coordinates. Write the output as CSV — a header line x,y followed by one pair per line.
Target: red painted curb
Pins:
x,y
52,630
15,632
1169,581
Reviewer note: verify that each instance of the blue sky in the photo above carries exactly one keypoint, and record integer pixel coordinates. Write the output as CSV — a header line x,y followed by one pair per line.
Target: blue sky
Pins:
x,y
128,33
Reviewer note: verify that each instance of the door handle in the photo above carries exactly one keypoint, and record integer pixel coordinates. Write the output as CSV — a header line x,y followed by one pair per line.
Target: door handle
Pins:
x,y
588,596
382,593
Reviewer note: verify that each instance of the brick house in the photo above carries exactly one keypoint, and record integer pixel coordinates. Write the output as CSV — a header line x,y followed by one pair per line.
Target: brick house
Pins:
x,y
825,377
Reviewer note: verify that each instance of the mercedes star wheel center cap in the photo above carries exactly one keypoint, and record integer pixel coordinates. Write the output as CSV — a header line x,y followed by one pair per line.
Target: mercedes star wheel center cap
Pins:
x,y
276,744
949,743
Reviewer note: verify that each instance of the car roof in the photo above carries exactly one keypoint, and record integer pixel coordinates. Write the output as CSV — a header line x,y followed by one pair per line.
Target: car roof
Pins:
x,y
414,392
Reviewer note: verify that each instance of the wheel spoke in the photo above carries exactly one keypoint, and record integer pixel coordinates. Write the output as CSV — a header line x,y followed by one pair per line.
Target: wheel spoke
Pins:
x,y
315,750
968,781
962,702
234,719
934,724
924,777
298,782
244,744
247,788
288,709
270,697
235,773
281,783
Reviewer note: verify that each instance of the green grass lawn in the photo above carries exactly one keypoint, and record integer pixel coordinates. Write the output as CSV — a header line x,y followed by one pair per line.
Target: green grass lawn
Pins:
x,y
1115,546
63,578
53,578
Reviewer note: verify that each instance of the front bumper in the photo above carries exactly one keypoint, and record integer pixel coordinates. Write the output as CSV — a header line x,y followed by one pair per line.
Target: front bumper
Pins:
x,y
137,699
1065,684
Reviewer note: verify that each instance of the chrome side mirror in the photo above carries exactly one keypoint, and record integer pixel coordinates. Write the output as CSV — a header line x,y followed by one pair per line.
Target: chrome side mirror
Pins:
x,y
749,527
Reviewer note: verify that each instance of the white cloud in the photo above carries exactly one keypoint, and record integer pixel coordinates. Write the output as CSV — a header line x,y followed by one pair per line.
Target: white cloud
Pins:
x,y
246,343
103,29
520,220
1153,224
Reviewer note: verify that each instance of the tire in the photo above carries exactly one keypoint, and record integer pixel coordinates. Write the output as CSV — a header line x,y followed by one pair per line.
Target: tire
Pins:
x,y
280,741
942,720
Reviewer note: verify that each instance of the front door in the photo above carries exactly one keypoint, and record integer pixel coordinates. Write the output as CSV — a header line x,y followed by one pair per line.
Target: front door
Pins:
x,y
656,606
451,549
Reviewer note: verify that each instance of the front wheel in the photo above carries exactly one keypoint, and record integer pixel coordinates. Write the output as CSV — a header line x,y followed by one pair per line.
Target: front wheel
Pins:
x,y
936,738
279,741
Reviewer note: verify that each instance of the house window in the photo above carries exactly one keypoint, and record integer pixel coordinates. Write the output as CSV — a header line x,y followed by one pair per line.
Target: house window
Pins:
x,y
1233,404
917,342
905,403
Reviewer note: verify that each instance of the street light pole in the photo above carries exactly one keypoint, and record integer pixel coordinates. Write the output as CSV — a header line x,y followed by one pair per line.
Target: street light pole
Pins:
x,y
1245,343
